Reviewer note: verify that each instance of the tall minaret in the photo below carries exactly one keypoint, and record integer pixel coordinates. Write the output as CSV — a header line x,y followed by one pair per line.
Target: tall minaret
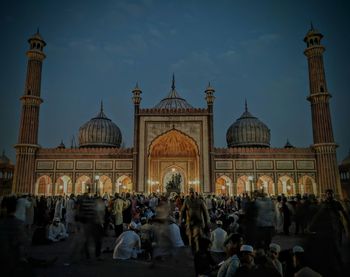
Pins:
x,y
29,123
209,97
324,145
137,100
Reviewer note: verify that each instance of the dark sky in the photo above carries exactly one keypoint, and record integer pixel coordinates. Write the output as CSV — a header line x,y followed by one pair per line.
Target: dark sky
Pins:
x,y
97,50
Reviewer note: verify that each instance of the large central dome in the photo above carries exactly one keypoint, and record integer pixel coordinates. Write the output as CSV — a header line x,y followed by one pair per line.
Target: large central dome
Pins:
x,y
173,101
248,131
100,131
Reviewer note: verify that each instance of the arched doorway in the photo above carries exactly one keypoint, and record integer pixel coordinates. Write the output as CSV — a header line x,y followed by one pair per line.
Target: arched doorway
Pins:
x,y
104,185
43,185
223,186
63,185
173,181
245,184
124,184
83,184
307,185
286,185
265,184
173,153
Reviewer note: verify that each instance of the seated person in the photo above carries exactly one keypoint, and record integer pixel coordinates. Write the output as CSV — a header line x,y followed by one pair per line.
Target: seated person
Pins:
x,y
57,231
128,244
146,236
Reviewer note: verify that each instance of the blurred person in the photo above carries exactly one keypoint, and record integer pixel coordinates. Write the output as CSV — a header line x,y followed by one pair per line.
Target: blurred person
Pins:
x,y
21,208
273,253
70,214
119,205
194,212
300,264
204,263
59,208
279,215
247,265
218,237
265,220
175,235
232,246
128,244
13,240
57,231
287,216
327,228
146,236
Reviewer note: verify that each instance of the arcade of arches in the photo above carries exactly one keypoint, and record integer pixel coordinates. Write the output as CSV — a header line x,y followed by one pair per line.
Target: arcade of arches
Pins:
x,y
103,184
223,186
246,184
173,154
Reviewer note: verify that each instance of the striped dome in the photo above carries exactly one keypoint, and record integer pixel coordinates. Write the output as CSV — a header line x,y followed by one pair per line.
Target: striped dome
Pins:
x,y
248,131
173,101
100,131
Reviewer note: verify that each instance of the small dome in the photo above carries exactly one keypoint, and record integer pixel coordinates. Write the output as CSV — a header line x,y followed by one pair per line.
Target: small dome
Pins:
x,y
100,131
61,145
173,101
288,145
248,131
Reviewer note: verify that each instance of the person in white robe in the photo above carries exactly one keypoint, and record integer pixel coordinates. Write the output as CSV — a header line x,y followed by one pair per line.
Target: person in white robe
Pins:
x,y
128,244
21,208
57,231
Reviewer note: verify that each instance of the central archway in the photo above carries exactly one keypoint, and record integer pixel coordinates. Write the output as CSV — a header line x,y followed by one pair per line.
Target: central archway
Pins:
x,y
173,154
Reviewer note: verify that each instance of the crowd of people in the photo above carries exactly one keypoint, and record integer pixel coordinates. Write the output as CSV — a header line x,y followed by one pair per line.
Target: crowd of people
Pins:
x,y
227,236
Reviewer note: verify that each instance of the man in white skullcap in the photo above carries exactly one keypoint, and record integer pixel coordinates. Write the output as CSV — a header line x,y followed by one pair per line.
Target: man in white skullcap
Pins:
x,y
128,244
274,250
300,264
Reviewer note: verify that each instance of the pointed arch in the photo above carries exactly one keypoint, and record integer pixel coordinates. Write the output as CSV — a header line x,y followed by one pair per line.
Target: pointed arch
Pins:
x,y
242,184
104,185
63,185
286,185
124,184
307,185
173,143
43,185
83,184
265,183
223,185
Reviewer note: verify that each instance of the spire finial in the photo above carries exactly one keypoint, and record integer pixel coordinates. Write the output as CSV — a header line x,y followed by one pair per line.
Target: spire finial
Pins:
x,y
312,25
101,106
246,105
173,82
209,84
137,85
37,30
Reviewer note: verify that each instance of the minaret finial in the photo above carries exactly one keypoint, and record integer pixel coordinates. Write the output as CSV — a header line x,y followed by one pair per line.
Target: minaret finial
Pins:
x,y
246,105
101,106
37,30
137,85
173,82
312,26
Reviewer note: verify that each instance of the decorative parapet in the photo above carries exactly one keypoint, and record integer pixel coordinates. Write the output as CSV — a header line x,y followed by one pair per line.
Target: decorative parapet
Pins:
x,y
241,152
107,152
154,111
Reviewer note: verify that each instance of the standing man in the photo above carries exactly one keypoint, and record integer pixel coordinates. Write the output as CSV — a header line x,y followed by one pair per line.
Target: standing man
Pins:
x,y
328,225
119,205
195,213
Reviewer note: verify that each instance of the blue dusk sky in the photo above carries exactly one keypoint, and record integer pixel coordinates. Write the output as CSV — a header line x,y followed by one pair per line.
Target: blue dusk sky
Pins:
x,y
98,50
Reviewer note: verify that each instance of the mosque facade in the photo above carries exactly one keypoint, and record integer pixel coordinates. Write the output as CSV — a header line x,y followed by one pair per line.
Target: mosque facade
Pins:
x,y
173,146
